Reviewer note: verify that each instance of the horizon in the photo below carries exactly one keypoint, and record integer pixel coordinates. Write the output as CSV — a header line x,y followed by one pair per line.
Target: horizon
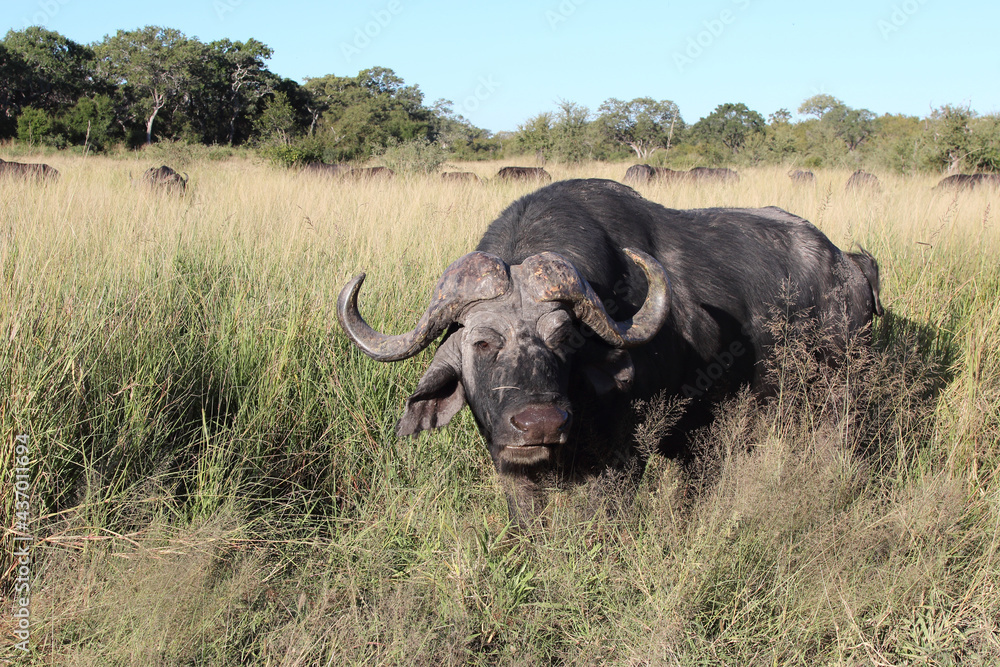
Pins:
x,y
888,57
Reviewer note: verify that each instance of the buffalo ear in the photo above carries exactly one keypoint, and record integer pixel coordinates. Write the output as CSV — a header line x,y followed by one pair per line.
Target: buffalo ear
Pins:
x,y
608,369
439,395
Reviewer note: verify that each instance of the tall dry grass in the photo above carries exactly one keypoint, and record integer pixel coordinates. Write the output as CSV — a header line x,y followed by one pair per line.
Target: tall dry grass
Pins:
x,y
216,479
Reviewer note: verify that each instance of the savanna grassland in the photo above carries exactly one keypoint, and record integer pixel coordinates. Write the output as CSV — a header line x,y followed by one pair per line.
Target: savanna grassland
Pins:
x,y
215,479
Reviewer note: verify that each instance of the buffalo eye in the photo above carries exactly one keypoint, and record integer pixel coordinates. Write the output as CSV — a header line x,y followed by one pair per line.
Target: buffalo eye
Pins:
x,y
486,343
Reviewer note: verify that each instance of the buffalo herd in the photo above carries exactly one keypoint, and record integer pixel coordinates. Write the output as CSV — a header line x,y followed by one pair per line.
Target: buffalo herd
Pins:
x,y
644,173
583,298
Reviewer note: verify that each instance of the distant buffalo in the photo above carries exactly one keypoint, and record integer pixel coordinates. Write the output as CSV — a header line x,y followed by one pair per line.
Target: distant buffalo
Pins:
x,y
37,172
802,176
365,173
862,180
644,173
346,171
969,181
524,174
164,178
712,174
460,176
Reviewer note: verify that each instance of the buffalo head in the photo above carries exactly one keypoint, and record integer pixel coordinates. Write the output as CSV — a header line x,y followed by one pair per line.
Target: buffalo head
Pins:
x,y
515,351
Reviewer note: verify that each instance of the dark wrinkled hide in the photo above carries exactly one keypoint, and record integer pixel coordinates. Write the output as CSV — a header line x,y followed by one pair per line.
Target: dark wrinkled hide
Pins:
x,y
459,176
553,400
969,181
862,180
28,171
802,176
524,174
164,178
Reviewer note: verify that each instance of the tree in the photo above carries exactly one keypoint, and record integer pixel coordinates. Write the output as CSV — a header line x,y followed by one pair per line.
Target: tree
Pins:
x,y
818,105
643,124
569,133
952,134
277,122
780,117
852,126
59,71
91,121
730,124
535,135
355,115
154,65
245,77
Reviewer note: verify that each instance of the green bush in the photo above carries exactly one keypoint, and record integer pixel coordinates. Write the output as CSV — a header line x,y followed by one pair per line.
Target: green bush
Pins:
x,y
299,152
417,156
35,126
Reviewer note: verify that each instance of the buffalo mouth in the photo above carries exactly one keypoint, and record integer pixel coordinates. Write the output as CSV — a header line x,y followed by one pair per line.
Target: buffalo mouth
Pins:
x,y
528,454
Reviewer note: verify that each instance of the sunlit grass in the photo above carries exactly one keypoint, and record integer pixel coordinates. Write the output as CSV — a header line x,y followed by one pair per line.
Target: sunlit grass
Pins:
x,y
216,479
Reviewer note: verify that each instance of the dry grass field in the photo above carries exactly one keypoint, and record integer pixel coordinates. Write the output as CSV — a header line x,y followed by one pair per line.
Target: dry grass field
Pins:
x,y
215,479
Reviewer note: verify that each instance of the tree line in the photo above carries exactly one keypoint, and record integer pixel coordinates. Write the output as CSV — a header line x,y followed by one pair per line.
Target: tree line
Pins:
x,y
156,84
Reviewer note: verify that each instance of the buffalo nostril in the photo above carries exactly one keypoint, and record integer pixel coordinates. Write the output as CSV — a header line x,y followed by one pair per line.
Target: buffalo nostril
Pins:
x,y
540,421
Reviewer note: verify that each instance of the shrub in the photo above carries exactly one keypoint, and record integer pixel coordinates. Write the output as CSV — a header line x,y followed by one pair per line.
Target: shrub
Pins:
x,y
415,156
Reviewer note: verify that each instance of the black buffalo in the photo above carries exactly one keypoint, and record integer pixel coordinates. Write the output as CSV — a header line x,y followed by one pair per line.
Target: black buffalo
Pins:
x,y
644,173
713,174
969,181
861,181
802,176
583,297
524,174
369,173
28,171
164,178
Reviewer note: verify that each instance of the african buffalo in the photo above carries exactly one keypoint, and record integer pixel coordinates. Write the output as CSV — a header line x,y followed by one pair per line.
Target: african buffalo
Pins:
x,y
969,181
713,174
37,172
460,176
802,176
367,173
644,173
862,180
583,297
165,178
524,174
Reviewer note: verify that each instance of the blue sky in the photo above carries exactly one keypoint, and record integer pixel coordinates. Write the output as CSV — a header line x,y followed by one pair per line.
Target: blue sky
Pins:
x,y
503,62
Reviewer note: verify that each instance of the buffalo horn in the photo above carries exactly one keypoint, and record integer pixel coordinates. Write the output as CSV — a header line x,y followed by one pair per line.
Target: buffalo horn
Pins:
x,y
553,278
477,276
